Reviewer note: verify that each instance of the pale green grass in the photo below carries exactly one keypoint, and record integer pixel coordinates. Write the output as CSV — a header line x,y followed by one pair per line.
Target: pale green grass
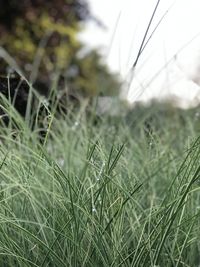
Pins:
x,y
101,195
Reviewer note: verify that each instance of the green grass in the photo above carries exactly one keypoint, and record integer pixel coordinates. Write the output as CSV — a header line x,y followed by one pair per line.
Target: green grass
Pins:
x,y
104,194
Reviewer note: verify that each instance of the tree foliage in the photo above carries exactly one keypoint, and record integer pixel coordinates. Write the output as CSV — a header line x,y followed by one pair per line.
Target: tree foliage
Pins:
x,y
42,36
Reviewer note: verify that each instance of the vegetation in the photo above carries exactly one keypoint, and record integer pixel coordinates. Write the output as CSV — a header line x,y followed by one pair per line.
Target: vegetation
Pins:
x,y
94,191
42,37
109,194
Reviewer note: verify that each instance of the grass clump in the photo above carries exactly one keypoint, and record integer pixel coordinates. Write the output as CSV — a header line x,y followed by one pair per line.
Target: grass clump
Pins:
x,y
109,194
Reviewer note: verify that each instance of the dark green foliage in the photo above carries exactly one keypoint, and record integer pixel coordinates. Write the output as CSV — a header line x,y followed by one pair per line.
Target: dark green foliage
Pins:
x,y
66,10
42,37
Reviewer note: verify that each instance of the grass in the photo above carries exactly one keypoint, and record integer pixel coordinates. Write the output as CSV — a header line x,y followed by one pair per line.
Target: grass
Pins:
x,y
113,193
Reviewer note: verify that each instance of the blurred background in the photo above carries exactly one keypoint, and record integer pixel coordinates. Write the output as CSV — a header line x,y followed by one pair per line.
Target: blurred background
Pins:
x,y
40,41
99,48
169,65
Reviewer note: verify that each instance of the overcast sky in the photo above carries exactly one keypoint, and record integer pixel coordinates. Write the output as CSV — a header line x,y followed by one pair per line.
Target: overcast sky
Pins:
x,y
175,44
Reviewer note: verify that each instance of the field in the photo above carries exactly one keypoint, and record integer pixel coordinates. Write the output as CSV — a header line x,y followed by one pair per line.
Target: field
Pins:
x,y
106,191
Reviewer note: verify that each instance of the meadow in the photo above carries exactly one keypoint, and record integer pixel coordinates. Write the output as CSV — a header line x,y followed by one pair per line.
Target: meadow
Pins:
x,y
101,191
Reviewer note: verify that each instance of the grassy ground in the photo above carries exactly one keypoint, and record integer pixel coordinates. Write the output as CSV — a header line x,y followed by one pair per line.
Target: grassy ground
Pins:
x,y
122,191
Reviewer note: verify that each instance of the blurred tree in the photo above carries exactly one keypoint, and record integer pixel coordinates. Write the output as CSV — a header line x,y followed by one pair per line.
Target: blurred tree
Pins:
x,y
89,67
42,37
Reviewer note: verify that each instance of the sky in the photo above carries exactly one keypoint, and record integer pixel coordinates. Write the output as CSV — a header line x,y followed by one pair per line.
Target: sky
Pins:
x,y
170,62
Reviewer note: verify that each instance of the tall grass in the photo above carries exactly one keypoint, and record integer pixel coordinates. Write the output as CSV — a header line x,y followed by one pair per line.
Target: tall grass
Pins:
x,y
108,192
103,194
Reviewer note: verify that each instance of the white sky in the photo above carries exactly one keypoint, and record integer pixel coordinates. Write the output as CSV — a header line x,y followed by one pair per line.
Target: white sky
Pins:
x,y
126,22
